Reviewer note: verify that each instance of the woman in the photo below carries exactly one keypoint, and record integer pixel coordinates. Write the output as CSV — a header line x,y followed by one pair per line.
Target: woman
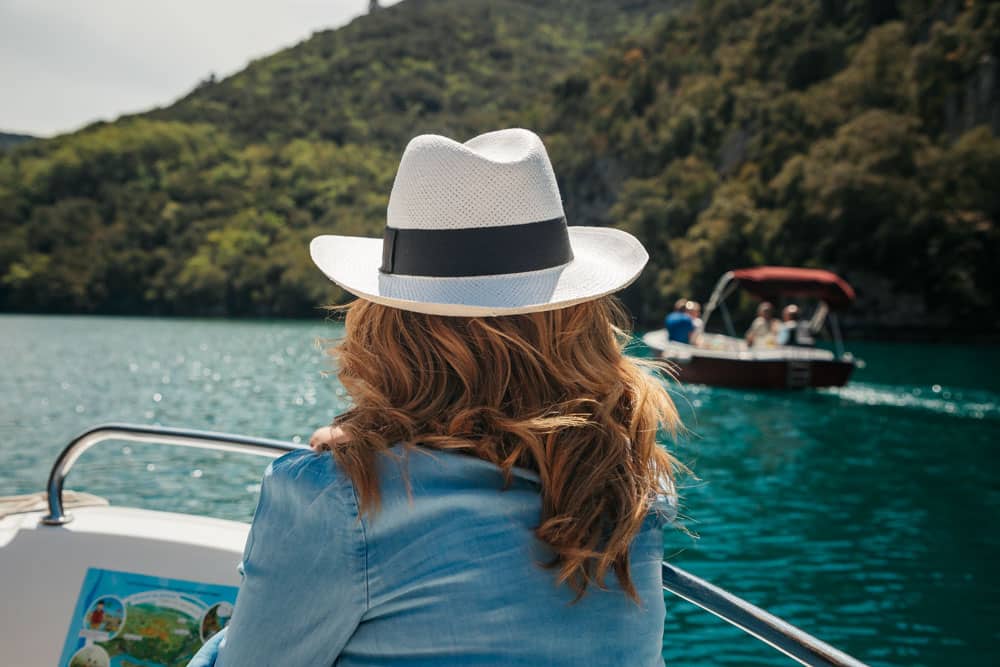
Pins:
x,y
763,331
496,495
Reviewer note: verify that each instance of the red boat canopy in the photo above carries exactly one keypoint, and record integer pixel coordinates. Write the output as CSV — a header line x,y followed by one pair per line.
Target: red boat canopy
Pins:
x,y
770,282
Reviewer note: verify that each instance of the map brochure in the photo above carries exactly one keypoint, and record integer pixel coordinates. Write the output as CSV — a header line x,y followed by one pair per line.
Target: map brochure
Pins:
x,y
123,619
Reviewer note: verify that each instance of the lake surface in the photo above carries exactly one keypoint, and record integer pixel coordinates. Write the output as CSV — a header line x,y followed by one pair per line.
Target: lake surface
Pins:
x,y
869,515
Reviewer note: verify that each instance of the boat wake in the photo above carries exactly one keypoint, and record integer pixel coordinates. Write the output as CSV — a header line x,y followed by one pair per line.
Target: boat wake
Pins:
x,y
966,403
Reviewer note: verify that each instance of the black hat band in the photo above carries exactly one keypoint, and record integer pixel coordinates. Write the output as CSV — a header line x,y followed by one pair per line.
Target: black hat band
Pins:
x,y
478,251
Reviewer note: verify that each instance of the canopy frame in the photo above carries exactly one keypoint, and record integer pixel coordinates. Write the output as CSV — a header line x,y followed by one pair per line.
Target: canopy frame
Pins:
x,y
812,282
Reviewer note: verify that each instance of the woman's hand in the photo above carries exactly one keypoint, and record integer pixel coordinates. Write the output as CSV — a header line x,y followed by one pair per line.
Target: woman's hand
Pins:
x,y
325,437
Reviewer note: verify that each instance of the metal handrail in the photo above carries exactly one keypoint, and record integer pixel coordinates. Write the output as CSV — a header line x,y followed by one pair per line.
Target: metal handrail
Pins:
x,y
768,628
158,434
717,298
781,635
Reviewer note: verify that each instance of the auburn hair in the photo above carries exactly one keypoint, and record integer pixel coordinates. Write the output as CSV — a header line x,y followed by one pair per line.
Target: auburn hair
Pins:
x,y
552,392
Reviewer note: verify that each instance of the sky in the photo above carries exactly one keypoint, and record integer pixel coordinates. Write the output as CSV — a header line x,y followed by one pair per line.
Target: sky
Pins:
x,y
67,63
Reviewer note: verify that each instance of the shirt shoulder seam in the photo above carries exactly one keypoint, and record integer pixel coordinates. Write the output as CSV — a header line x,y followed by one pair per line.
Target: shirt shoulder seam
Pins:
x,y
364,541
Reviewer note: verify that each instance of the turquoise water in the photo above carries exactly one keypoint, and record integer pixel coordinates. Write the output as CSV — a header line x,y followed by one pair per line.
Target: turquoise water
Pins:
x,y
869,515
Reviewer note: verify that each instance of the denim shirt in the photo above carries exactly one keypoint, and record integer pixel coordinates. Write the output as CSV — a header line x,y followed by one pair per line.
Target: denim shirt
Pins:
x,y
447,572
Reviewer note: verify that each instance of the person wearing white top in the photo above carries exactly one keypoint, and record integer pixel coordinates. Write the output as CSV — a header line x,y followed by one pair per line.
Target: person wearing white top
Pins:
x,y
763,330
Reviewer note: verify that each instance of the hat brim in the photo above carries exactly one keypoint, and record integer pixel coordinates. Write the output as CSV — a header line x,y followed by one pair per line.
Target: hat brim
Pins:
x,y
605,260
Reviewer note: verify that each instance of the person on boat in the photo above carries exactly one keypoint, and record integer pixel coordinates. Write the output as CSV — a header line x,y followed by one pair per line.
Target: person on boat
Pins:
x,y
679,324
693,309
788,331
793,331
496,495
763,330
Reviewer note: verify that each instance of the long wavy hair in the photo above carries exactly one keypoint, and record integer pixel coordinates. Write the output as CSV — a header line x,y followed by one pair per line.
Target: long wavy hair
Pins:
x,y
552,392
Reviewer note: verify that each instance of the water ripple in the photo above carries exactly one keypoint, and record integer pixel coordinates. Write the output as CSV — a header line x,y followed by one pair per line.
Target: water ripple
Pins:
x,y
869,515
969,404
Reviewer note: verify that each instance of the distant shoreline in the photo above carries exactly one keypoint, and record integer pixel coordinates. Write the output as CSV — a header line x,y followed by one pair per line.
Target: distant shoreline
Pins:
x,y
853,331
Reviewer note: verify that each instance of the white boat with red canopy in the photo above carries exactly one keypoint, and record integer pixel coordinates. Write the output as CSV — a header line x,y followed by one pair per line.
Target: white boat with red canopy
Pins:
x,y
87,584
726,360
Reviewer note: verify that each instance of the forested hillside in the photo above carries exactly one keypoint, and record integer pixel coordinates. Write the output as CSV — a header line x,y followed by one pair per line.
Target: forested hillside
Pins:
x,y
447,66
858,135
207,207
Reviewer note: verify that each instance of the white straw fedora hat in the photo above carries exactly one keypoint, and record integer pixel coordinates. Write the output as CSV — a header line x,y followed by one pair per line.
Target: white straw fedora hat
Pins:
x,y
477,229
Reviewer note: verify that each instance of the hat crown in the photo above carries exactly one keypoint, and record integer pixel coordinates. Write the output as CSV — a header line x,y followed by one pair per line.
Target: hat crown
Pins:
x,y
497,179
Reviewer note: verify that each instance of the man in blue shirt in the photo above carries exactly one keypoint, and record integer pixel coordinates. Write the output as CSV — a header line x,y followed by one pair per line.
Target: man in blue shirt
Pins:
x,y
679,324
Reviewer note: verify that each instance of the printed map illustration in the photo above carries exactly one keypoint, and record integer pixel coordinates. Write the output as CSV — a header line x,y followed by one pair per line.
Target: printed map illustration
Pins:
x,y
132,620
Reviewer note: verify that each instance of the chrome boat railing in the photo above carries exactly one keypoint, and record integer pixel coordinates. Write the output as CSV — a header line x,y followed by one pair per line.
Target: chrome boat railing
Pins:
x,y
179,437
768,628
781,635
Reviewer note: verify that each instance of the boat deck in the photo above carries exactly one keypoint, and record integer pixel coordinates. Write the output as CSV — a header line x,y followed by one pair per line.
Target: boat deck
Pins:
x,y
717,346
